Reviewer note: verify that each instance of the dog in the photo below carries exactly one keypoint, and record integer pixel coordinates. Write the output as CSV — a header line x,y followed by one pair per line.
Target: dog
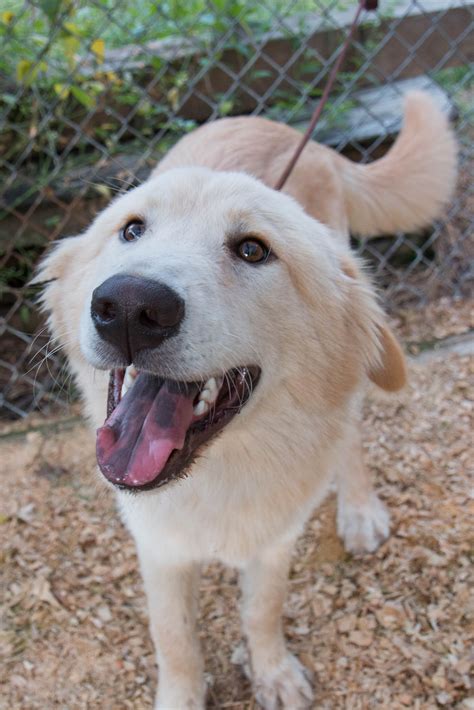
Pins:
x,y
222,335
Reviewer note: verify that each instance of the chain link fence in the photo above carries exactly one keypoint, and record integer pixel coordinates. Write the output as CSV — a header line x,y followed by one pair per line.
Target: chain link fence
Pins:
x,y
94,92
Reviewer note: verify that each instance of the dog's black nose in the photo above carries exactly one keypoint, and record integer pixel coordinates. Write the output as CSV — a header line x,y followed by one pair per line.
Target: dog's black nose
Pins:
x,y
134,313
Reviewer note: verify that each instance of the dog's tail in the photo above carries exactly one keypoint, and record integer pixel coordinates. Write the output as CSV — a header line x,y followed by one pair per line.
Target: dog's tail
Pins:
x,y
408,187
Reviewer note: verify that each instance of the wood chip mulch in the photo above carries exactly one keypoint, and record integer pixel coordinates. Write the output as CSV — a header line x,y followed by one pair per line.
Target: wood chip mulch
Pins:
x,y
422,327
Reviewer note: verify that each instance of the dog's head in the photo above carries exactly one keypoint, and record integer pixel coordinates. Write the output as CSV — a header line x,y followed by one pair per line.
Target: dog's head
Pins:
x,y
205,294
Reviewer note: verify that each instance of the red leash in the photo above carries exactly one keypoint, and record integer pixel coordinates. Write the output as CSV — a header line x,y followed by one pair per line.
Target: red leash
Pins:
x,y
363,5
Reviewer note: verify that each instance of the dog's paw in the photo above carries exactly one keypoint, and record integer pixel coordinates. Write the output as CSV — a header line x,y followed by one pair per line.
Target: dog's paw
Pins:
x,y
283,685
363,528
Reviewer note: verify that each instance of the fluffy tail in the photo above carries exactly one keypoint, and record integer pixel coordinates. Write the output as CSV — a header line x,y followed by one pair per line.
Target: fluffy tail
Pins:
x,y
408,187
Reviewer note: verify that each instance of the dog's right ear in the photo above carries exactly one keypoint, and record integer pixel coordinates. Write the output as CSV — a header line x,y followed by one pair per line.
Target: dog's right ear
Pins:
x,y
53,265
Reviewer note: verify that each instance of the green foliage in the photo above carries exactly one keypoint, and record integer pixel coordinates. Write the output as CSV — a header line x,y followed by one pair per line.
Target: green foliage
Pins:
x,y
16,271
453,77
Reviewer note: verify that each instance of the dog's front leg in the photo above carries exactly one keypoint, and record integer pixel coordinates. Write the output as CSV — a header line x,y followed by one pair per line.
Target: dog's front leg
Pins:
x,y
278,677
172,603
362,519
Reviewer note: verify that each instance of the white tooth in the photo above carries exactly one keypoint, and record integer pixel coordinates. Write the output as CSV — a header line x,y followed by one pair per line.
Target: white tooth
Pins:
x,y
130,375
129,379
207,396
201,408
211,390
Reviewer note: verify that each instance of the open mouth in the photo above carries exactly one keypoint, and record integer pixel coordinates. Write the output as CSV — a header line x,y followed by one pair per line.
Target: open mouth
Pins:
x,y
155,427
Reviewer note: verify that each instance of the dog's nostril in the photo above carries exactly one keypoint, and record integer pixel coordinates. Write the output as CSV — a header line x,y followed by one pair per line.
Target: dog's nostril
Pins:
x,y
107,310
149,317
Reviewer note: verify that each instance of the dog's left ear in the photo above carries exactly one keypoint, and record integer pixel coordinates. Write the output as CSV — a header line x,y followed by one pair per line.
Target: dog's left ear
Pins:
x,y
391,374
388,370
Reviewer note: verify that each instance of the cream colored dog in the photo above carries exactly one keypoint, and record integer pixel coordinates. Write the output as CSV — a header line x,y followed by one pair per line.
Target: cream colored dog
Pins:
x,y
240,334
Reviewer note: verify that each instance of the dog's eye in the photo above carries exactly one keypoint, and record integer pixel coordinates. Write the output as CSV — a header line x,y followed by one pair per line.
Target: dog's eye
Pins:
x,y
253,251
133,230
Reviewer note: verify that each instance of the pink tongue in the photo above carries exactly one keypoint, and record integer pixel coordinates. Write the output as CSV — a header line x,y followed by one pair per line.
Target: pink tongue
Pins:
x,y
138,438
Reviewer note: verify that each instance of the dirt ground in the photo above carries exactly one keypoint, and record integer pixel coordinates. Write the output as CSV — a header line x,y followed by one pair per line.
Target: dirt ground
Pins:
x,y
392,630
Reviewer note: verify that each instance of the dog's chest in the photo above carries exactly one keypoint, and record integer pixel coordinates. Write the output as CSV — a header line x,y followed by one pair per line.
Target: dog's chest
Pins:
x,y
221,514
